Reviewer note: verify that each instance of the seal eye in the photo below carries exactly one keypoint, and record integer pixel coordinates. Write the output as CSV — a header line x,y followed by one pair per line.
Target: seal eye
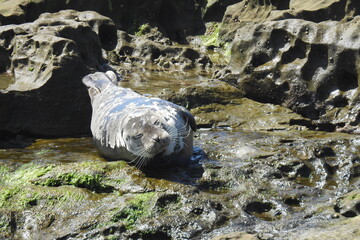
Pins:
x,y
138,136
157,122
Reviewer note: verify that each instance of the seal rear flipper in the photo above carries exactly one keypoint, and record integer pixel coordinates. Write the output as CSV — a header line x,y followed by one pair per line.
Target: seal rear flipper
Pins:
x,y
96,82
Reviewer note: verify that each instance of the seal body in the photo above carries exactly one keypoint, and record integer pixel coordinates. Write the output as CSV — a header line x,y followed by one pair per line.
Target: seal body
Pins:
x,y
129,126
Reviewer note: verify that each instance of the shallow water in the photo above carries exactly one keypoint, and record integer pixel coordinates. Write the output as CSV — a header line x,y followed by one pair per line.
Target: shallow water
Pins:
x,y
289,172
155,82
48,151
5,80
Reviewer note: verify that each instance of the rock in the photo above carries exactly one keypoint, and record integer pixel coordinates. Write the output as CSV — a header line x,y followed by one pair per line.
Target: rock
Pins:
x,y
176,19
346,230
203,93
349,204
151,48
257,11
214,10
245,186
47,59
308,67
236,236
249,115
256,178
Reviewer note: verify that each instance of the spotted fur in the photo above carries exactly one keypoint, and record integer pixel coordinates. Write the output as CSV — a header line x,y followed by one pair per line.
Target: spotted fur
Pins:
x,y
128,126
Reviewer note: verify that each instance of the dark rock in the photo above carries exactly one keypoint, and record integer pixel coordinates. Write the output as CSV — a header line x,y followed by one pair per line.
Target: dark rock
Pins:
x,y
48,59
177,19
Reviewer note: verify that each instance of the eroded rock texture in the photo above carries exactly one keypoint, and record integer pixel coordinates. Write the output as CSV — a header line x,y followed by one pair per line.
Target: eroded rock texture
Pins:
x,y
48,59
175,18
310,66
151,49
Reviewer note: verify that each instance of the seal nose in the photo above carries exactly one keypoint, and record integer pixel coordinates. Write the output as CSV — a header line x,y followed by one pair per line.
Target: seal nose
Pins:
x,y
161,140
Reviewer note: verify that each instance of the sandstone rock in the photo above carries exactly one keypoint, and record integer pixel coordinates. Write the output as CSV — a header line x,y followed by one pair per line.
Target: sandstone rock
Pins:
x,y
312,68
150,49
258,11
214,10
47,59
204,93
177,19
248,115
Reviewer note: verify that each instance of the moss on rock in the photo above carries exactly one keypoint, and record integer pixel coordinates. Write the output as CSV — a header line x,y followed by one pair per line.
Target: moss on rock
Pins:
x,y
137,208
26,173
20,198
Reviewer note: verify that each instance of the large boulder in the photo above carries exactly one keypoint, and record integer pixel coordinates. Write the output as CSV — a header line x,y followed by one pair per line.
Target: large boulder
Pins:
x,y
259,11
310,67
47,59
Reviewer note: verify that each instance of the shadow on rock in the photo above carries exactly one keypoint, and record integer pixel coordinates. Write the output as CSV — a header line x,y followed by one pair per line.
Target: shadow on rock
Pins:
x,y
188,175
10,141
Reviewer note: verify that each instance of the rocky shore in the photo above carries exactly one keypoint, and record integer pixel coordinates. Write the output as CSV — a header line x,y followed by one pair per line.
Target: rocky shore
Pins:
x,y
274,87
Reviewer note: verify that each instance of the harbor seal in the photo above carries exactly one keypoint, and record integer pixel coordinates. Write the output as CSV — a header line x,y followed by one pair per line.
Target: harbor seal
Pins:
x,y
141,130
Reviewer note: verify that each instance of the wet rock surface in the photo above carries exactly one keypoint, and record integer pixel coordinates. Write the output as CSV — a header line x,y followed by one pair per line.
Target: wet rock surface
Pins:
x,y
258,82
254,185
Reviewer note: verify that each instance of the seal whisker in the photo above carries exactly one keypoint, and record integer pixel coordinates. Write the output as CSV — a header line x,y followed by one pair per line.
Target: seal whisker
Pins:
x,y
140,154
143,160
142,157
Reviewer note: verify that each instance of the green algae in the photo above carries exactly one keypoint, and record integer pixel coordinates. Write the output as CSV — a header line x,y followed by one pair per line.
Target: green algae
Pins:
x,y
211,37
26,173
143,30
5,226
91,182
20,198
7,193
88,175
32,183
4,171
137,208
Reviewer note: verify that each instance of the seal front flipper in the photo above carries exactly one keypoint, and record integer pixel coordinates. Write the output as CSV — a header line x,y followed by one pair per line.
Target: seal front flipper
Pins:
x,y
187,116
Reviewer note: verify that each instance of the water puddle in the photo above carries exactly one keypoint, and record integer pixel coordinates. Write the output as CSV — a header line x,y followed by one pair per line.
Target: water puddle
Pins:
x,y
63,150
154,82
5,80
